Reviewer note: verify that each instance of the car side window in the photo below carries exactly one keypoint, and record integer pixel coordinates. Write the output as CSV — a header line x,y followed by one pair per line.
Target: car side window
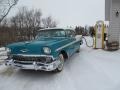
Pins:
x,y
73,33
70,33
60,33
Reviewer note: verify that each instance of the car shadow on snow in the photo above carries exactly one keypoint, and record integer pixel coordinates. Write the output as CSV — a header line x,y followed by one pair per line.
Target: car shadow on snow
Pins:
x,y
34,73
43,74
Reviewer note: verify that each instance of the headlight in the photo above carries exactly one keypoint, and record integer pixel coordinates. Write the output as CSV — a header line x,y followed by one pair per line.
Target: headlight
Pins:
x,y
47,50
8,50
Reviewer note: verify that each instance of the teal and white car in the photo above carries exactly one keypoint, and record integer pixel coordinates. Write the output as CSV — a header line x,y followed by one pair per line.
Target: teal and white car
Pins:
x,y
47,52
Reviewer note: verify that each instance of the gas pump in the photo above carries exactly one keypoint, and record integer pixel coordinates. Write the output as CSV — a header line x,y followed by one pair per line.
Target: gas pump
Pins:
x,y
99,35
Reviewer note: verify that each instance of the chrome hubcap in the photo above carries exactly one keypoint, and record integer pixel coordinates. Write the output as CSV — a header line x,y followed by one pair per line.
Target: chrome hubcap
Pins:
x,y
60,66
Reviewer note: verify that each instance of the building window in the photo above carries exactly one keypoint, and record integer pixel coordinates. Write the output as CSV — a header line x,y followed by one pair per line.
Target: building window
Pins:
x,y
117,14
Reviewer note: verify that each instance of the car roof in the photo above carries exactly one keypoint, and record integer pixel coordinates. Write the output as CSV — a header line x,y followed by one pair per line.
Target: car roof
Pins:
x,y
55,29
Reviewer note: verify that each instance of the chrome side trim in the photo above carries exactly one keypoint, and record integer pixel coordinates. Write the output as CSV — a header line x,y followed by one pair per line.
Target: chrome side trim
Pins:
x,y
67,45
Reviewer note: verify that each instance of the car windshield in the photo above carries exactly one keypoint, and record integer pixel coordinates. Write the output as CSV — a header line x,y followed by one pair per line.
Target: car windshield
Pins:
x,y
50,33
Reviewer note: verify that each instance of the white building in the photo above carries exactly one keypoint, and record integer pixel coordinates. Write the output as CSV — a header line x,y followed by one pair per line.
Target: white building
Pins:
x,y
112,14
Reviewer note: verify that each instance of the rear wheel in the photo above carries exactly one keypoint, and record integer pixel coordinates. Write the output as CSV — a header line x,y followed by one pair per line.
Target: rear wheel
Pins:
x,y
78,50
61,65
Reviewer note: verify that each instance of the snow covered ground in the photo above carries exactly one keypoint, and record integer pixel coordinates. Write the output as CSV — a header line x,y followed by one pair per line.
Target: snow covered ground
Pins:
x,y
90,69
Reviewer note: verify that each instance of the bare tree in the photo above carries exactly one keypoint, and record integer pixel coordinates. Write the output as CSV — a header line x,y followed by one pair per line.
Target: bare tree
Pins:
x,y
24,25
49,22
36,22
32,22
5,7
79,30
27,22
92,31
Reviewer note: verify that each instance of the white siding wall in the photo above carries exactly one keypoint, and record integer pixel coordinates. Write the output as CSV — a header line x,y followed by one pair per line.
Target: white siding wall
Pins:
x,y
114,30
107,9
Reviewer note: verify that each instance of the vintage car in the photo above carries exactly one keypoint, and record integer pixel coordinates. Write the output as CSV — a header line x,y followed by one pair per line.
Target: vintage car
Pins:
x,y
47,52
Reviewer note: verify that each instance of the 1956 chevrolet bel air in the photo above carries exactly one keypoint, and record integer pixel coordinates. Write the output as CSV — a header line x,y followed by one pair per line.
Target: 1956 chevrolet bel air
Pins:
x,y
47,52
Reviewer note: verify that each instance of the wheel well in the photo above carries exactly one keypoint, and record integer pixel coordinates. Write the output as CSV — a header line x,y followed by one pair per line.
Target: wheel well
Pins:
x,y
65,55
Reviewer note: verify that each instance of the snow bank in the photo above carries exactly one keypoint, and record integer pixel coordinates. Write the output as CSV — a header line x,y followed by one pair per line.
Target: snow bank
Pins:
x,y
3,55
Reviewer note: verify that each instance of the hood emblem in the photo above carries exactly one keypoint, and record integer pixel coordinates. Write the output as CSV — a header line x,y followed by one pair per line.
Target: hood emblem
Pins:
x,y
24,50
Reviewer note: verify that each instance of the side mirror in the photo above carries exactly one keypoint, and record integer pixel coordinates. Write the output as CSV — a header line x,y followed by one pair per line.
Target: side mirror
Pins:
x,y
71,36
81,42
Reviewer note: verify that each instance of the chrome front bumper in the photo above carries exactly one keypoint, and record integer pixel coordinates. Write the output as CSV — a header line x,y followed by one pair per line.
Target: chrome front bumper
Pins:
x,y
33,66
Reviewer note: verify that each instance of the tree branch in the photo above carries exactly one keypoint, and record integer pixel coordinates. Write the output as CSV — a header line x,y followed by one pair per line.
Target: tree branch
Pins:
x,y
15,2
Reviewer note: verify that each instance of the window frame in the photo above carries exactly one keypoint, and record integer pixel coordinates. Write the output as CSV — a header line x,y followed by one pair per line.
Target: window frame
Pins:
x,y
70,33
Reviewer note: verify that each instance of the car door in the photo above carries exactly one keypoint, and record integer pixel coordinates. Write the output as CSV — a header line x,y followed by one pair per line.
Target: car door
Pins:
x,y
71,36
76,44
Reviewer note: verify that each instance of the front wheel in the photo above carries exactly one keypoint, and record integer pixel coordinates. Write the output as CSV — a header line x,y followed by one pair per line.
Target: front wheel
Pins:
x,y
61,65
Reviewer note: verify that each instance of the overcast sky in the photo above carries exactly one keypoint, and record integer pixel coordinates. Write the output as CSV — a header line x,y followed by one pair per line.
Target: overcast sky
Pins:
x,y
68,12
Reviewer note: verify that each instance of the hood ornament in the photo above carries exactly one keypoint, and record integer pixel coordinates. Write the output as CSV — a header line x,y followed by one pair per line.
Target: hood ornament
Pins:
x,y
24,50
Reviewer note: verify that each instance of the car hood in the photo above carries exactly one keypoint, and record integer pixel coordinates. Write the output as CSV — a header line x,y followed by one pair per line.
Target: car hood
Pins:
x,y
36,46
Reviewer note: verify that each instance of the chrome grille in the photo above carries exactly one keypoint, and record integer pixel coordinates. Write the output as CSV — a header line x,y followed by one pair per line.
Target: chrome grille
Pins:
x,y
37,59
